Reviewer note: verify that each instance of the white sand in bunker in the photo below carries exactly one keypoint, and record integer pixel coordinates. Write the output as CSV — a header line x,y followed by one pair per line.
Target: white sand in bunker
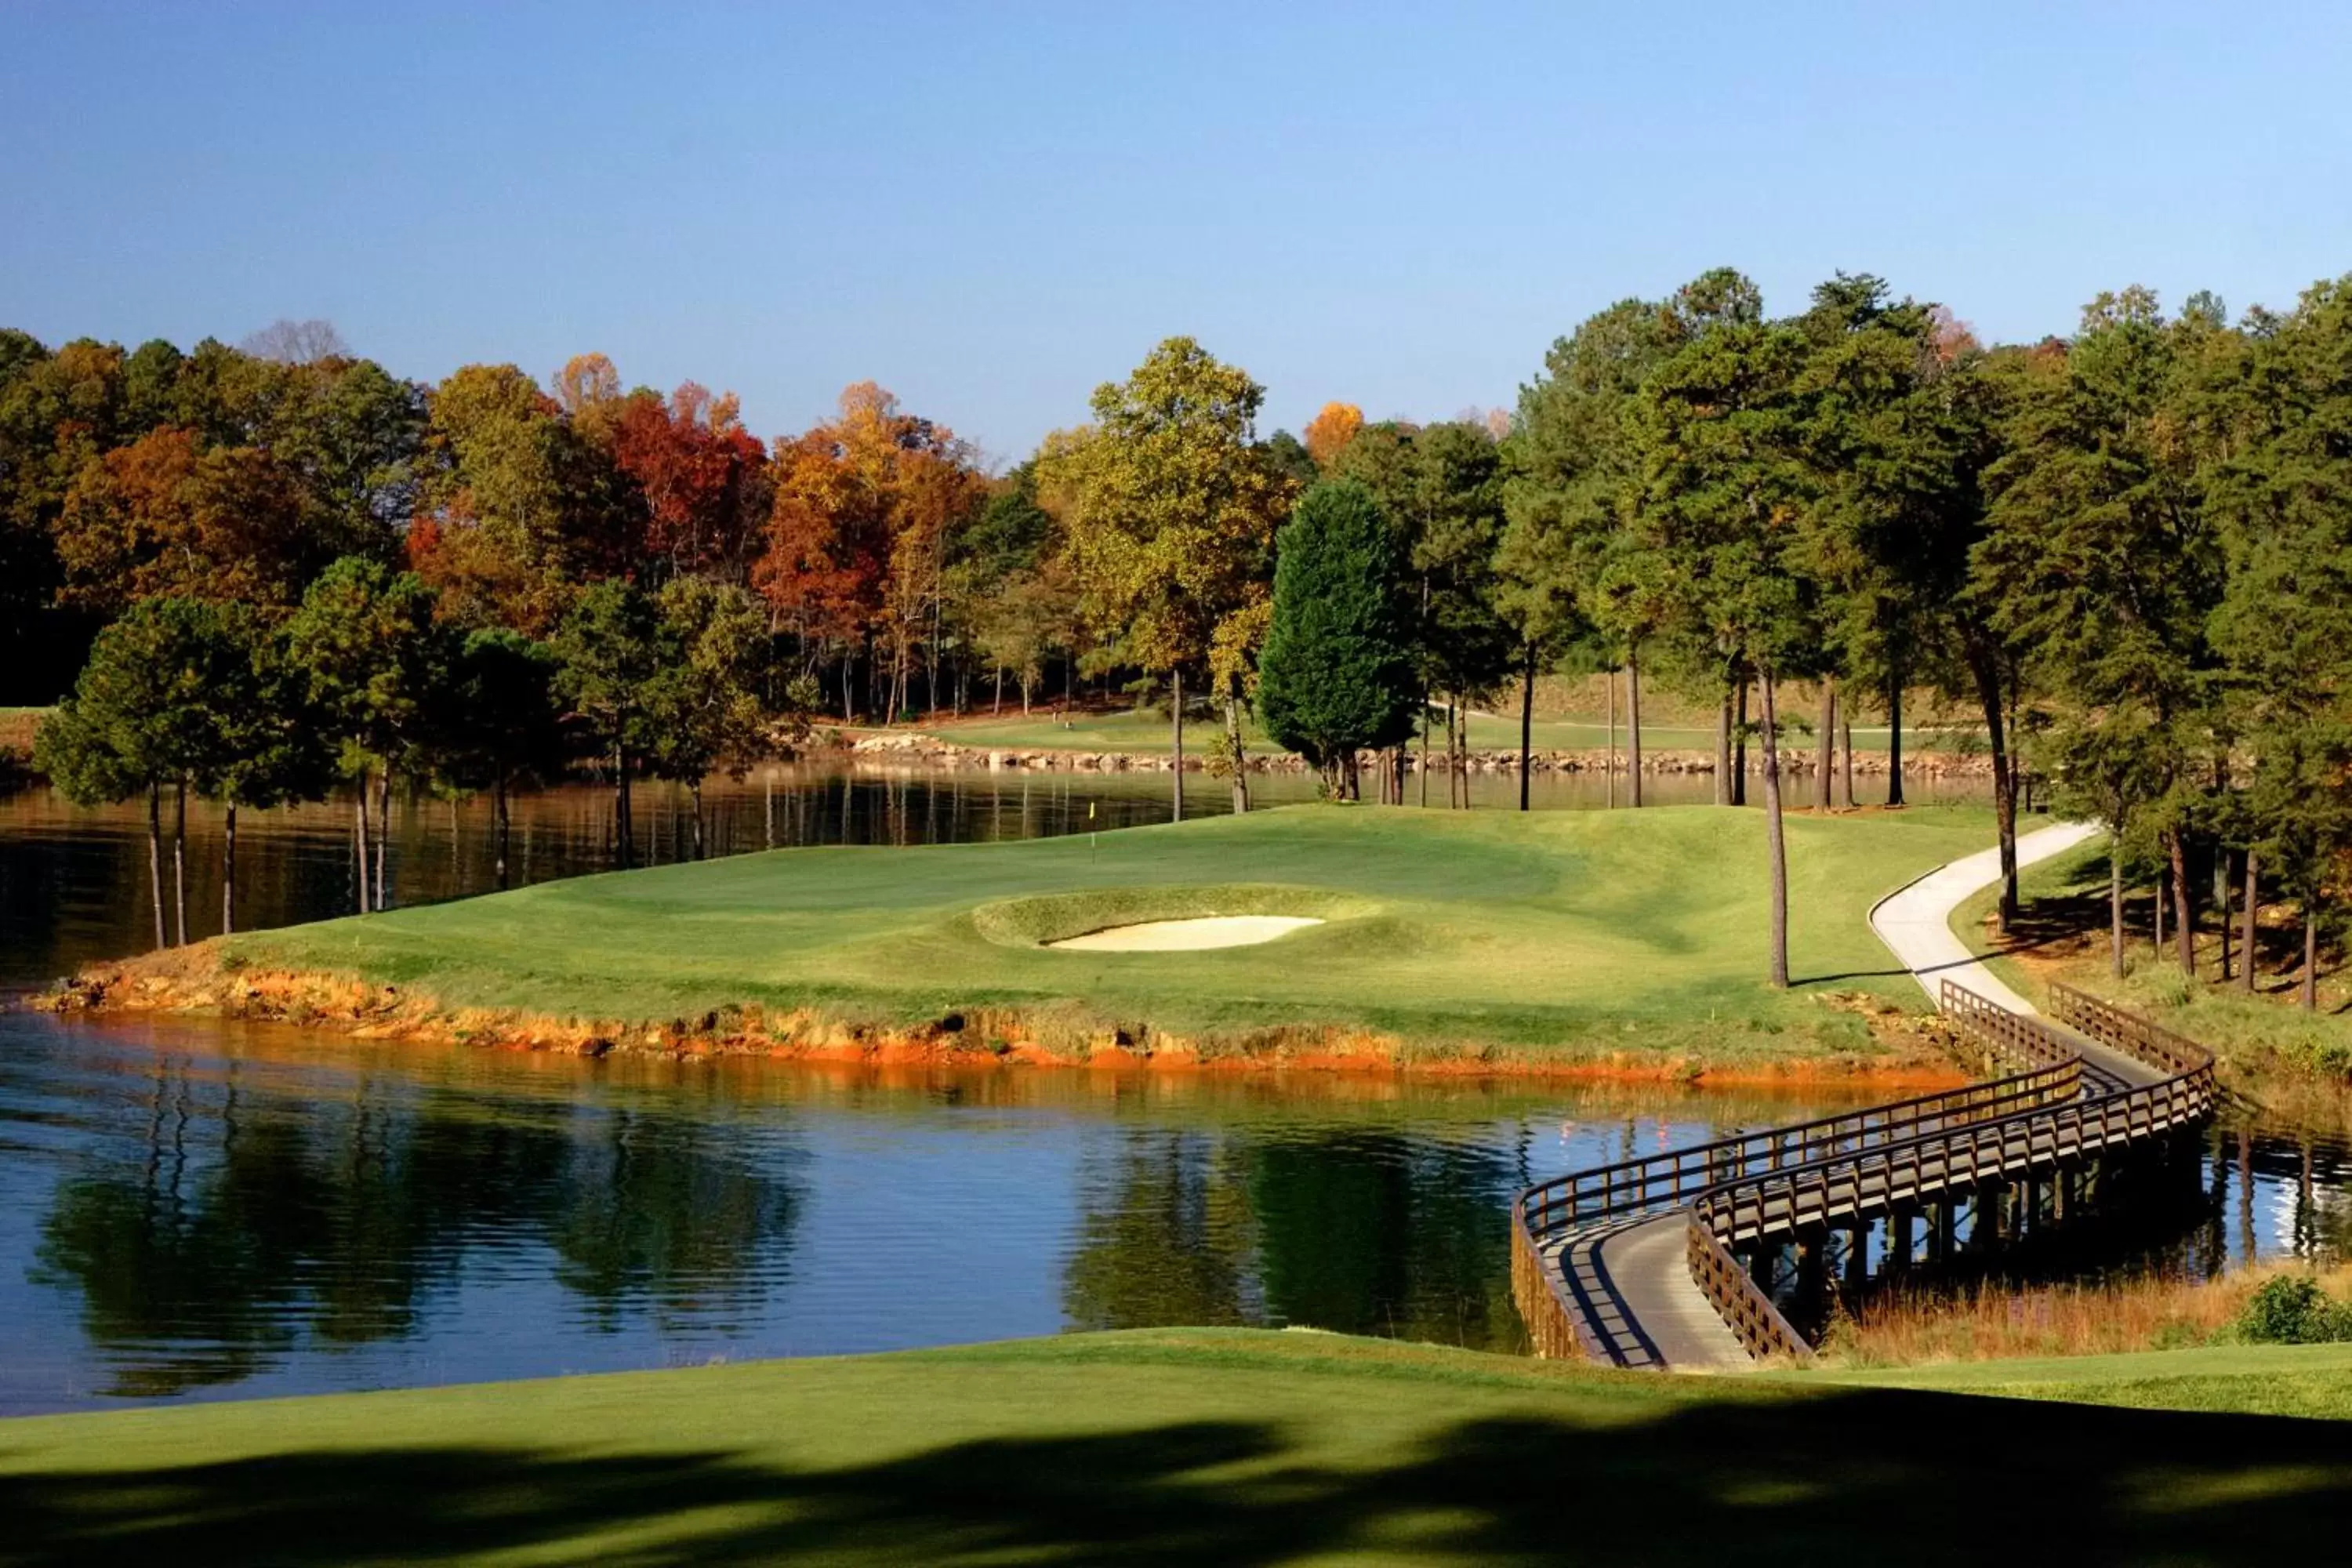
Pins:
x,y
1186,936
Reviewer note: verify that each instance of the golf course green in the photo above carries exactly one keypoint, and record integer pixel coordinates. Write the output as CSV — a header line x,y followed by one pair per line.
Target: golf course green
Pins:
x,y
1561,937
1212,1446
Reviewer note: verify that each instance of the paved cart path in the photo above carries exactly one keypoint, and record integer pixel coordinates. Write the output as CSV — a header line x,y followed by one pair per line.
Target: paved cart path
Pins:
x,y
1632,1277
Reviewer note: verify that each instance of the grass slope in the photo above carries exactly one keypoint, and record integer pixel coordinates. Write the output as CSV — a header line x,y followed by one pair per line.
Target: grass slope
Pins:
x,y
1560,932
1213,1446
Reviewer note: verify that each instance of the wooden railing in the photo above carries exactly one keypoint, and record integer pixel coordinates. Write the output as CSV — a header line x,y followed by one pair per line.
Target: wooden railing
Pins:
x,y
1759,1188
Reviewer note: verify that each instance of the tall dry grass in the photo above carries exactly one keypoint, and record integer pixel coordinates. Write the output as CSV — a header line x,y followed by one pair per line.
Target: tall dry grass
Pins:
x,y
1989,1321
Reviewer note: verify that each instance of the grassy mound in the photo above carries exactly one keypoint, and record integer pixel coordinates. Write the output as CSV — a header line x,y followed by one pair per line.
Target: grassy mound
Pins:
x,y
1183,1447
1562,935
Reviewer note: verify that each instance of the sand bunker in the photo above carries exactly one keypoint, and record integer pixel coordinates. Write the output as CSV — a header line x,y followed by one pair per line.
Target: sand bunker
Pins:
x,y
1187,936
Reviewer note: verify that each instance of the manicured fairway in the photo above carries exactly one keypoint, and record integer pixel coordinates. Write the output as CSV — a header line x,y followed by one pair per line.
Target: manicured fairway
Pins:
x,y
1183,1447
1575,933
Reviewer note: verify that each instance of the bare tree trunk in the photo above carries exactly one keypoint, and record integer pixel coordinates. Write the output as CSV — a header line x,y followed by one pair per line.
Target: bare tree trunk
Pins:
x,y
1526,724
1740,746
180,861
1176,735
360,841
2310,957
697,787
1825,746
1895,740
2184,906
1775,845
155,855
848,693
2115,899
2253,904
1233,748
1633,724
1723,747
998,708
2156,911
228,873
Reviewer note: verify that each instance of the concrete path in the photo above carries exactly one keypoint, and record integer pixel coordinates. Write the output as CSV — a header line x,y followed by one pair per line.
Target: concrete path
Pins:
x,y
1916,921
1632,1279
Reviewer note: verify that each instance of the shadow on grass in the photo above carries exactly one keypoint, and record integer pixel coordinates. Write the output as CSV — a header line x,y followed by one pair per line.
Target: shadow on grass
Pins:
x,y
1869,1477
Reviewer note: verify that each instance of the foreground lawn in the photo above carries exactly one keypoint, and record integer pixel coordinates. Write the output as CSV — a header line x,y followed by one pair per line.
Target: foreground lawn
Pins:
x,y
1212,1446
1558,933
2254,1380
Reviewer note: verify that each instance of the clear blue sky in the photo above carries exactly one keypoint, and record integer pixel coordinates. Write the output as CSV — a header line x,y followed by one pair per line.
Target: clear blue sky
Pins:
x,y
991,209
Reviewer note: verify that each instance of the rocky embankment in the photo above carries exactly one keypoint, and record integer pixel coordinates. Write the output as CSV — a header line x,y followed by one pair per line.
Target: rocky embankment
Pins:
x,y
911,749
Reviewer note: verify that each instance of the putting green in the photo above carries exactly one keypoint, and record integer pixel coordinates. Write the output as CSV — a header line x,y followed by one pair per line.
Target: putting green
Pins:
x,y
1552,935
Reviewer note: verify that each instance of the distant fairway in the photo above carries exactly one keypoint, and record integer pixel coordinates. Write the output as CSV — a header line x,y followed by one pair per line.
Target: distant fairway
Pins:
x,y
1570,934
1134,732
1210,1446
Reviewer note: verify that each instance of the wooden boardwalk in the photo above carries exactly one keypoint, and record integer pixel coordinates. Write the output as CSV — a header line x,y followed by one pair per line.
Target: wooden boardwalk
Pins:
x,y
1653,1262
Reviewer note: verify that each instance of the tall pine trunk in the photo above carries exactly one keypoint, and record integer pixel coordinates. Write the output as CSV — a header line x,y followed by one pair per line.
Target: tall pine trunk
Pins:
x,y
1774,842
360,841
1234,746
2253,903
622,843
1424,750
2115,897
155,855
382,832
1723,748
1740,745
1895,740
2310,956
1846,758
228,872
2184,908
505,825
180,861
1825,748
1608,770
2221,891
696,788
1526,724
1987,674
1634,725
1176,735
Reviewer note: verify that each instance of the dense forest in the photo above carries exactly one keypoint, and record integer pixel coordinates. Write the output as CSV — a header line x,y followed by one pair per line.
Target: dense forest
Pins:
x,y
265,572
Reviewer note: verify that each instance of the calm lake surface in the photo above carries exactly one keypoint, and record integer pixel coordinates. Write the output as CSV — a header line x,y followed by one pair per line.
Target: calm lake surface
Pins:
x,y
200,1210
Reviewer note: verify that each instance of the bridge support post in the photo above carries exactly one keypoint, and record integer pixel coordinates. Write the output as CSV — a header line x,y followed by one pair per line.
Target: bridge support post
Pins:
x,y
1812,1283
1984,1235
1898,1236
1945,1221
1762,1264
2062,1182
1857,1255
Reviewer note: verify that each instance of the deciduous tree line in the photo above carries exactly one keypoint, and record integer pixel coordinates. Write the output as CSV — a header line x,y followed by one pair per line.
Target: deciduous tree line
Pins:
x,y
2125,552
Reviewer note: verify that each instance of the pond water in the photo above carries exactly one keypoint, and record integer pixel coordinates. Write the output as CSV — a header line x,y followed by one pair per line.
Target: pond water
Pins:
x,y
74,881
197,1210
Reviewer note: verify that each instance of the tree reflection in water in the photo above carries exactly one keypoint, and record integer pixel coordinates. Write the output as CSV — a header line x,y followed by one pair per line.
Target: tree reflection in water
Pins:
x,y
249,1223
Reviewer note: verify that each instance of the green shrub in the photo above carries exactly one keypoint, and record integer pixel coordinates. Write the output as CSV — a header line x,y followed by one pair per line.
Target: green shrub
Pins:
x,y
2291,1309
